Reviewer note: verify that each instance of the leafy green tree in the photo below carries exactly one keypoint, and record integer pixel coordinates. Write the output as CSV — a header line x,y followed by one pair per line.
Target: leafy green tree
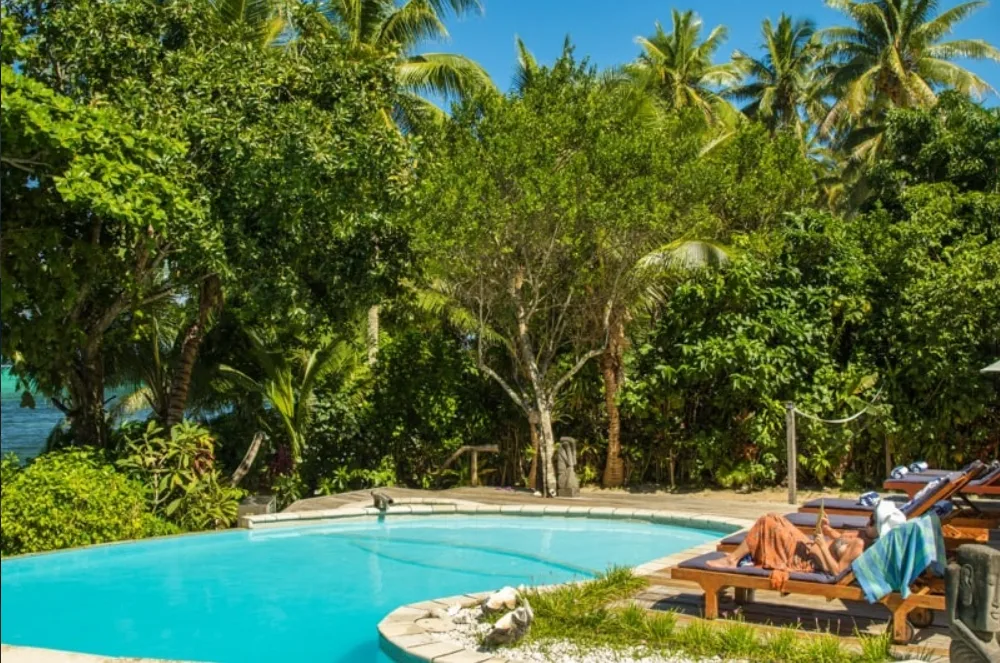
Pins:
x,y
295,169
100,220
677,68
642,289
387,26
932,230
534,237
895,56
782,87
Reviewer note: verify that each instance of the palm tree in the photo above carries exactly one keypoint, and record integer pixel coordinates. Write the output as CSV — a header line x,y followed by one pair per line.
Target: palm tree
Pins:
x,y
643,290
678,69
288,379
381,26
894,56
782,85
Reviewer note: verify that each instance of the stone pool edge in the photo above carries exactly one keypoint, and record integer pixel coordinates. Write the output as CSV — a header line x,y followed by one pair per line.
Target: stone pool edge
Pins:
x,y
405,633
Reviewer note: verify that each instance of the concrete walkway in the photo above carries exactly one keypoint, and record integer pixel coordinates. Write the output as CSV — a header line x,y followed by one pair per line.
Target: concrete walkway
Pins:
x,y
717,503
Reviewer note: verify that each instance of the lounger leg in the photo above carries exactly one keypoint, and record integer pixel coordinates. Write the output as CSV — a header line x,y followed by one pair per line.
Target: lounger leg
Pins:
x,y
902,632
745,596
711,601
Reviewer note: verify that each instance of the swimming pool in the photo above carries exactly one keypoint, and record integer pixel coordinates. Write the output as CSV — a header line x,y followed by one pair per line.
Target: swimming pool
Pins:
x,y
306,593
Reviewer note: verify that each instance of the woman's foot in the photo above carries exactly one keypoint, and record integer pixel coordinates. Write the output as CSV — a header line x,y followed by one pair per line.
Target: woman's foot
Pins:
x,y
721,563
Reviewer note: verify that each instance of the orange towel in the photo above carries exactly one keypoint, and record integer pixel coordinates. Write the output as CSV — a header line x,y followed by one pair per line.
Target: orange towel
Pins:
x,y
776,544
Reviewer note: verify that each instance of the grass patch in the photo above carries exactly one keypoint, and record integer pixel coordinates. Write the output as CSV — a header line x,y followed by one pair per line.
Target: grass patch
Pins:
x,y
585,615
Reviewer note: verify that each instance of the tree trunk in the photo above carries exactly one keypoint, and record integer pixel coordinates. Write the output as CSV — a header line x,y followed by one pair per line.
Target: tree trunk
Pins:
x,y
548,446
209,299
533,482
611,370
87,417
373,333
248,459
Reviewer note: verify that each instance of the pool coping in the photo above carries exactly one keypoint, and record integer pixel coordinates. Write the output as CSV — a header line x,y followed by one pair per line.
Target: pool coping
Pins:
x,y
404,632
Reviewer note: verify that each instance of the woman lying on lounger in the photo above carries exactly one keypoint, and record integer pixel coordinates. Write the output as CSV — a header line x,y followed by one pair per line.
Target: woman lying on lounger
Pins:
x,y
775,543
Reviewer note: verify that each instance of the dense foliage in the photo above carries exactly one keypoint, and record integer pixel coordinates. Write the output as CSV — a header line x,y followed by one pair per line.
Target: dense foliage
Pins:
x,y
243,214
72,498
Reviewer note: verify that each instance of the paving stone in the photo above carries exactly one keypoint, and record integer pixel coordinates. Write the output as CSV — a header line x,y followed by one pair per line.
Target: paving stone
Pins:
x,y
465,656
433,650
435,625
408,642
396,629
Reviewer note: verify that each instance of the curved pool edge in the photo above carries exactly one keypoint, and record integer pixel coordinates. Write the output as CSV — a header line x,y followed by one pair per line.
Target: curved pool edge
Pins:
x,y
400,634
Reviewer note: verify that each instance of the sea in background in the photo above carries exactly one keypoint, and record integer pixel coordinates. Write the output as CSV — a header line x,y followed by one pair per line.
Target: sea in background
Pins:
x,y
23,430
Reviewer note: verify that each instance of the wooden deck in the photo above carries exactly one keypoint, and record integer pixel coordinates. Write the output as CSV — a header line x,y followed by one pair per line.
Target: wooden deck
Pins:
x,y
811,615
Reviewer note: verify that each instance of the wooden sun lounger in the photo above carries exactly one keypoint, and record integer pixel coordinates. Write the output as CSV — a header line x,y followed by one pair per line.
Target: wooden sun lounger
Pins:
x,y
981,486
915,609
911,484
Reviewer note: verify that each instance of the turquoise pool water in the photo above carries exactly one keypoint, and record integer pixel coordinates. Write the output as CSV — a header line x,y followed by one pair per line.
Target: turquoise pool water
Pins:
x,y
311,593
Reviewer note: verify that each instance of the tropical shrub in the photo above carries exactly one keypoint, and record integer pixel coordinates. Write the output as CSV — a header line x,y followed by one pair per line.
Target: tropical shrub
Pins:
x,y
72,498
179,475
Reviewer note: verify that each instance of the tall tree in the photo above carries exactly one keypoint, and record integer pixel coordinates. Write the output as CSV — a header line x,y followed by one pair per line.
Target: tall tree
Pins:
x,y
641,290
294,168
101,220
782,87
380,26
895,56
677,68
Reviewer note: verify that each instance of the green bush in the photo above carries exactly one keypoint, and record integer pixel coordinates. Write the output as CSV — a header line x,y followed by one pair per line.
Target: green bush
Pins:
x,y
179,476
71,498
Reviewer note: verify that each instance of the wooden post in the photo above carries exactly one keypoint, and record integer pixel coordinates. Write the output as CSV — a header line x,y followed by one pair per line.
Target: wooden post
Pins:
x,y
790,447
474,469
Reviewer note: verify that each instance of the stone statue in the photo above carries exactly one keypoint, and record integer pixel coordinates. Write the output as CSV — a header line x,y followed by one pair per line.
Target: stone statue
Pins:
x,y
567,484
511,627
381,500
972,591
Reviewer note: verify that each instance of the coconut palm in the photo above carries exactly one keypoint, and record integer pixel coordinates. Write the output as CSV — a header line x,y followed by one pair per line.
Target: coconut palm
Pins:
x,y
677,68
382,26
894,55
782,86
644,288
385,26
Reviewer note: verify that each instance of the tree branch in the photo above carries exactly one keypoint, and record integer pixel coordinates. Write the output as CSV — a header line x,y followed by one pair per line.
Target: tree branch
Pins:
x,y
506,387
576,368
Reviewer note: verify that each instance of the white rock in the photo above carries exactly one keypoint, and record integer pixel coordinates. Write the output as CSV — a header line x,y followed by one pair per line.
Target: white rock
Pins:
x,y
505,599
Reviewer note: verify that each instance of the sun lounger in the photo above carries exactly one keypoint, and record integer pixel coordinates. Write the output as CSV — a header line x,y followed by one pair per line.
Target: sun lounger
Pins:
x,y
987,484
916,608
971,527
912,483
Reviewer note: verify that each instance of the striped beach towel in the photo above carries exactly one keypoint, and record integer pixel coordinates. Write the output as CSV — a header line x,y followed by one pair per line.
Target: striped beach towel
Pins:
x,y
899,557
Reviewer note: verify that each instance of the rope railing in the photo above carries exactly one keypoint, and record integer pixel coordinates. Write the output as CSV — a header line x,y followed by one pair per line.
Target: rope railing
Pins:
x,y
792,455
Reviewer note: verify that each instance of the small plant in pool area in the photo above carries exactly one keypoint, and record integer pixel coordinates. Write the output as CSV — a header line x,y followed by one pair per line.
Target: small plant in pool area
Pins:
x,y
597,615
178,471
72,498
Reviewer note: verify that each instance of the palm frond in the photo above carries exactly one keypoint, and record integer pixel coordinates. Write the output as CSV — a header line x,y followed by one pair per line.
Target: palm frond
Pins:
x,y
411,23
446,74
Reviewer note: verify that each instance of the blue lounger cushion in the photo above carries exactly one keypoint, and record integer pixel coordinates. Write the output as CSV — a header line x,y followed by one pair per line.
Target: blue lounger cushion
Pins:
x,y
844,503
699,562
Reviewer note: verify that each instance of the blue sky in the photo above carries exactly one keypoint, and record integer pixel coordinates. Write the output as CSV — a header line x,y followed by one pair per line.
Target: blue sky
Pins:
x,y
606,30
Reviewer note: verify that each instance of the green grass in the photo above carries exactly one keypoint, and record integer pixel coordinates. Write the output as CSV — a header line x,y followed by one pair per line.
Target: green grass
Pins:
x,y
585,615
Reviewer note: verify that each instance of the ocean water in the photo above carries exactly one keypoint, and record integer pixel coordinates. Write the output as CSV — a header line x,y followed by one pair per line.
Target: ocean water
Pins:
x,y
311,593
23,431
